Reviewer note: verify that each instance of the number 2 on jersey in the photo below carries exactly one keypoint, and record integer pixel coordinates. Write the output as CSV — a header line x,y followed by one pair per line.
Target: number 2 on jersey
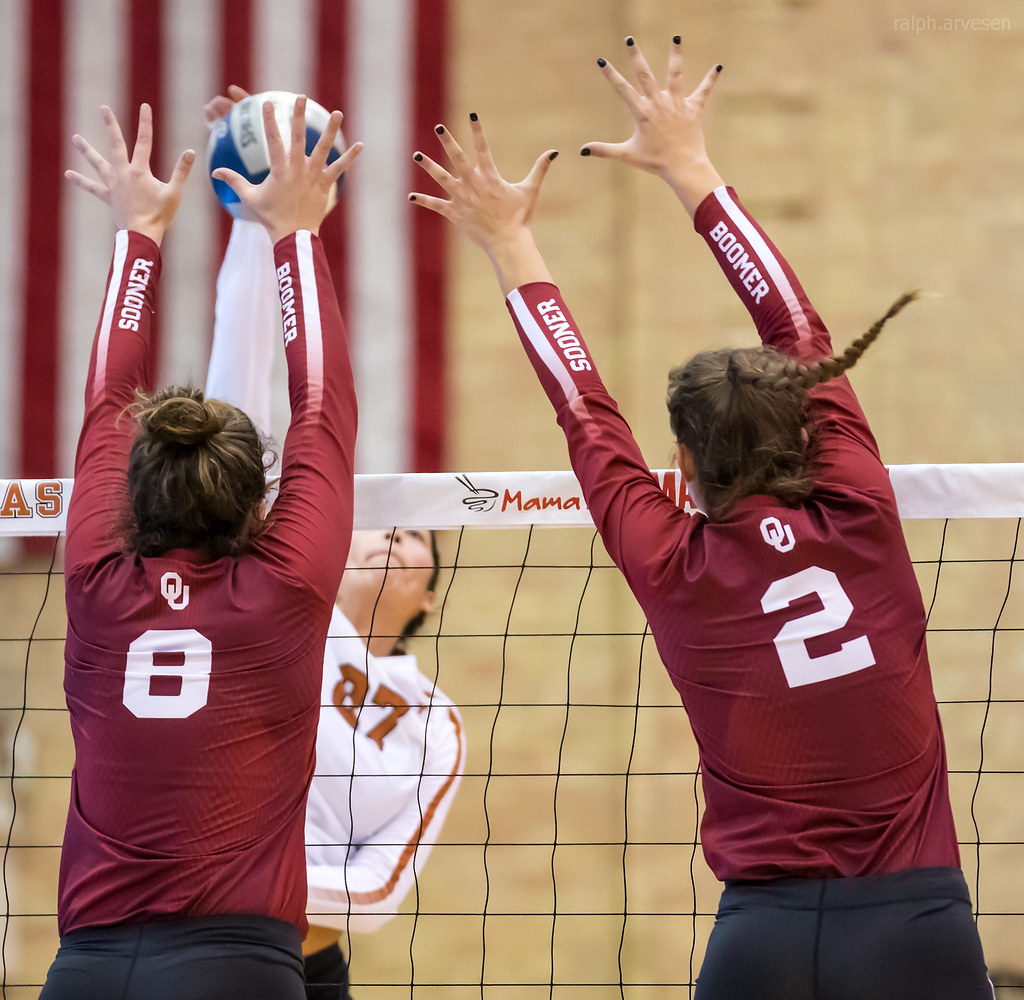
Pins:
x,y
791,640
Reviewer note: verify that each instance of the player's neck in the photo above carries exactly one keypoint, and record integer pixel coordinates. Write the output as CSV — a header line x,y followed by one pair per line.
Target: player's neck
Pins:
x,y
370,618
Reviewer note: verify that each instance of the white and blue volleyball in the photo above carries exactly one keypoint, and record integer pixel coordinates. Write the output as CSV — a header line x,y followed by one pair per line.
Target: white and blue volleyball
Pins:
x,y
239,142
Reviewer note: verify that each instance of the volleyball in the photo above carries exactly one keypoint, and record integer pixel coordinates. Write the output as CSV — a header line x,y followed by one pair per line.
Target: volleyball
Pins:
x,y
238,141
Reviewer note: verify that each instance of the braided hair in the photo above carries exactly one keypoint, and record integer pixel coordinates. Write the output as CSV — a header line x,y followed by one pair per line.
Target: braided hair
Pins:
x,y
742,413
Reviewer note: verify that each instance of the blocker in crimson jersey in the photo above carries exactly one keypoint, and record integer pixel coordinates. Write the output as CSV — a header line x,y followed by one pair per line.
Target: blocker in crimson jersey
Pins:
x,y
239,142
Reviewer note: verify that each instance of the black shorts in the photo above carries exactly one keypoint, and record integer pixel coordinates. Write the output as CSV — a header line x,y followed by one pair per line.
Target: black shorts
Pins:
x,y
327,974
206,958
909,935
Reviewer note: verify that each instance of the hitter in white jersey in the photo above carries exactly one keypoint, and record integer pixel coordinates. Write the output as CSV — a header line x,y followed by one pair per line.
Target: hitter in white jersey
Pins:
x,y
390,745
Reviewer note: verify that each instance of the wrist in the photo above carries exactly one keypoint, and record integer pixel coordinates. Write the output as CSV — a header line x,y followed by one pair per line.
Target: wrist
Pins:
x,y
151,230
278,233
516,260
692,181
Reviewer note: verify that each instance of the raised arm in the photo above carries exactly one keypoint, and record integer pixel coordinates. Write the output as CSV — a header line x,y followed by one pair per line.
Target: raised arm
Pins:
x,y
312,516
247,313
491,212
246,324
366,891
668,141
668,126
496,216
142,208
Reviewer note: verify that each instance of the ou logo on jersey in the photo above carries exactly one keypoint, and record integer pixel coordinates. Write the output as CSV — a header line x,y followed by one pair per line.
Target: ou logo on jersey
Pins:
x,y
778,535
174,591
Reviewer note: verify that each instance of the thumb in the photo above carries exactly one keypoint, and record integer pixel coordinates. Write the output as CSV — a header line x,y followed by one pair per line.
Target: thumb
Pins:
x,y
183,168
539,170
605,150
234,180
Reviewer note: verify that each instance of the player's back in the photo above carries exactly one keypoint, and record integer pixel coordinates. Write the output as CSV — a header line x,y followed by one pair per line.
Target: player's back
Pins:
x,y
796,638
193,689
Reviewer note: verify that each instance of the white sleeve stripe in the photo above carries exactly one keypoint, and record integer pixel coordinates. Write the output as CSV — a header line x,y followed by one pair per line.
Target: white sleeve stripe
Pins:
x,y
769,261
311,320
540,343
109,304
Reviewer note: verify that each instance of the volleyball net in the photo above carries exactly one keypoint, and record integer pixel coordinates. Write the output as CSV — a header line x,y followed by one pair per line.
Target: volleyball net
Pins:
x,y
570,860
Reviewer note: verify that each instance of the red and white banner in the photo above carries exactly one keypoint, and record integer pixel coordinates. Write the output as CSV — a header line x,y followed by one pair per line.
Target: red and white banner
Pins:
x,y
38,507
383,62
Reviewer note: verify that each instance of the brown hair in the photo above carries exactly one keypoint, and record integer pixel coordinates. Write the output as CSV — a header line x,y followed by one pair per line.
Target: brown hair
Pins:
x,y
742,414
414,624
196,474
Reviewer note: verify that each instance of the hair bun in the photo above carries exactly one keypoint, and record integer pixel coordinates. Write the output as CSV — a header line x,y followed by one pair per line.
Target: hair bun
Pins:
x,y
182,419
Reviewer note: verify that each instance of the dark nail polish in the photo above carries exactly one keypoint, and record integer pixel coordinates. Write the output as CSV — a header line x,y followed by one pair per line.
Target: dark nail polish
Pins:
x,y
553,155
439,129
472,116
676,39
584,152
417,157
412,197
602,63
718,68
629,41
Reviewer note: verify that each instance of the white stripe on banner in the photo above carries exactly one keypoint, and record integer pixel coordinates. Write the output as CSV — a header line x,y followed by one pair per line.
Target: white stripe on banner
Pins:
x,y
94,76
282,60
13,73
186,295
380,312
284,46
13,69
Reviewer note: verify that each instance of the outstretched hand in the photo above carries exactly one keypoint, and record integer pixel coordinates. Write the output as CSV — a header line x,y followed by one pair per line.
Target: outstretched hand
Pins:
x,y
295,193
668,133
491,212
217,107
137,199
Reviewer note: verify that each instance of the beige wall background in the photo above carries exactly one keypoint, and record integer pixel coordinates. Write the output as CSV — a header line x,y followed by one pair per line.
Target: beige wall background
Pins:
x,y
881,151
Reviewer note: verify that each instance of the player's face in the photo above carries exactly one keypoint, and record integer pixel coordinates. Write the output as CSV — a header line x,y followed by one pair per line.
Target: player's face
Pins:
x,y
407,556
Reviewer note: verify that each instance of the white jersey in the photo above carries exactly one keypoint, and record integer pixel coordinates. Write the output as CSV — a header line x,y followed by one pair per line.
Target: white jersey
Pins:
x,y
390,755
390,746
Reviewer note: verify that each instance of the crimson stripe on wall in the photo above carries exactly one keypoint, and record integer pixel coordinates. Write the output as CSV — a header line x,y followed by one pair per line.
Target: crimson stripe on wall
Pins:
x,y
429,244
43,205
236,59
330,88
145,84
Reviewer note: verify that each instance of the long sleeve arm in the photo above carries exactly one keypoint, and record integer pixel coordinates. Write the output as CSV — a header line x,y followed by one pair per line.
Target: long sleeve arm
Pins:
x,y
766,284
366,892
311,521
247,323
117,366
762,279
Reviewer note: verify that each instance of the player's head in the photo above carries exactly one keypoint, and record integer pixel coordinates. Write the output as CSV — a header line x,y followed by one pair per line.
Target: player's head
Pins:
x,y
398,569
745,433
742,420
196,475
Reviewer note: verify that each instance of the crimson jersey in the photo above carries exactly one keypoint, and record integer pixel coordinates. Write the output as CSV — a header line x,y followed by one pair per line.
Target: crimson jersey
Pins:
x,y
794,636
194,687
